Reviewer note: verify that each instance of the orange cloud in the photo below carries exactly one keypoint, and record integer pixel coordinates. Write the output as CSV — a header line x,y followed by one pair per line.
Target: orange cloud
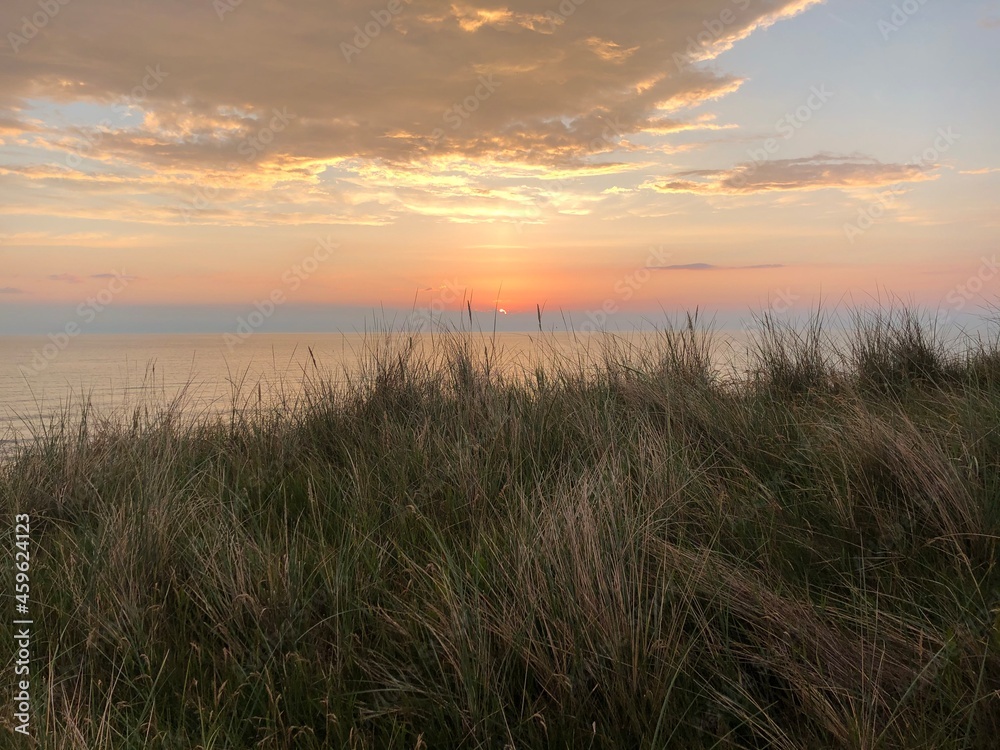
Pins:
x,y
820,172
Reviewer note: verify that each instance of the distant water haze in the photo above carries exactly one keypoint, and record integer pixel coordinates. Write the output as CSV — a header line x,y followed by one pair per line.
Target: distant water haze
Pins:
x,y
115,374
203,373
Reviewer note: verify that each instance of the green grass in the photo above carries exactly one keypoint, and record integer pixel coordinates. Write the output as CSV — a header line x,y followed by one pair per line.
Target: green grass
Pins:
x,y
629,549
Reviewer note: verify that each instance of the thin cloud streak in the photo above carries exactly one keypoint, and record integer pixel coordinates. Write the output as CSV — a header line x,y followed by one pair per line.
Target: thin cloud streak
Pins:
x,y
820,172
712,267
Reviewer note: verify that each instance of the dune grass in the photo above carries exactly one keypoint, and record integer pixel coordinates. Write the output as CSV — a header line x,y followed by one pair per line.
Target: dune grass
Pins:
x,y
629,549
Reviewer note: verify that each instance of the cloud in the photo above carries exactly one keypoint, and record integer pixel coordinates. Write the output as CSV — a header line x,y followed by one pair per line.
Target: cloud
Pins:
x,y
67,278
122,276
990,22
74,239
292,112
712,267
13,126
820,172
10,290
172,197
984,170
559,76
609,51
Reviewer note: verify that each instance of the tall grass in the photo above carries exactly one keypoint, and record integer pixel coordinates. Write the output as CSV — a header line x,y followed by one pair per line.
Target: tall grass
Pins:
x,y
624,549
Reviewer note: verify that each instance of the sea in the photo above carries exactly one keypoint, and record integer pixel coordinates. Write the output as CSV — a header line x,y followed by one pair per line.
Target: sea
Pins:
x,y
110,376
45,384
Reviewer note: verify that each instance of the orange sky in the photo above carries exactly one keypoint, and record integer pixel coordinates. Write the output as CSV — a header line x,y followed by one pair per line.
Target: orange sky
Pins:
x,y
634,156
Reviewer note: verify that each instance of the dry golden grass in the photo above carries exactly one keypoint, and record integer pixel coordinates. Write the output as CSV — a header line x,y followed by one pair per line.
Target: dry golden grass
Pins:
x,y
627,550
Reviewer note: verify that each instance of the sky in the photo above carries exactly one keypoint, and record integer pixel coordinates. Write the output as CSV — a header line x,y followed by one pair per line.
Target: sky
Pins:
x,y
224,165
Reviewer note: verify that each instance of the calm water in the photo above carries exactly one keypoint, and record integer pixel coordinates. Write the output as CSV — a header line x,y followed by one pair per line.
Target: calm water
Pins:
x,y
116,374
119,373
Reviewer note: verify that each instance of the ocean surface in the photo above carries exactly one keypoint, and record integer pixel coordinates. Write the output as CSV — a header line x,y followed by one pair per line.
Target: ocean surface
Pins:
x,y
40,382
43,382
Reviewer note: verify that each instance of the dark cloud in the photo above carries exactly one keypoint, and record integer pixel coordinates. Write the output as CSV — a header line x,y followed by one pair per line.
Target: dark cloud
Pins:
x,y
10,290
